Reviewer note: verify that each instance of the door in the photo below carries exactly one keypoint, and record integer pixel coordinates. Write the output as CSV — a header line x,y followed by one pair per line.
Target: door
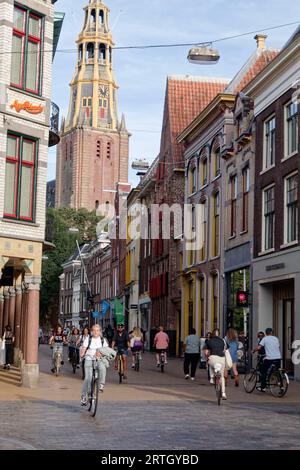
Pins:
x,y
287,334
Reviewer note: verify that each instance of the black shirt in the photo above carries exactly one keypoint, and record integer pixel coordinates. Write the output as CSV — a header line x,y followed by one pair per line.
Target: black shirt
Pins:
x,y
121,341
216,346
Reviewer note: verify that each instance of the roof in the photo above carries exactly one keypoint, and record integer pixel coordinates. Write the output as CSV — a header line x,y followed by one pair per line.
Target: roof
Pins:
x,y
186,97
256,63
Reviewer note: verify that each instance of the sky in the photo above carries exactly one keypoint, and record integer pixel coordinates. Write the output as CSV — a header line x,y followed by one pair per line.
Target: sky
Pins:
x,y
141,74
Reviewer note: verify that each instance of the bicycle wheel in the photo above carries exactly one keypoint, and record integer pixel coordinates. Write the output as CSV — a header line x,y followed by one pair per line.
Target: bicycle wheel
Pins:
x,y
137,363
278,383
218,390
120,368
74,363
57,364
250,381
94,398
162,365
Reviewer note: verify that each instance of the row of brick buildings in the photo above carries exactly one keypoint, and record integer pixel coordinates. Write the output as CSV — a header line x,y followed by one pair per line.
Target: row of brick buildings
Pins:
x,y
229,156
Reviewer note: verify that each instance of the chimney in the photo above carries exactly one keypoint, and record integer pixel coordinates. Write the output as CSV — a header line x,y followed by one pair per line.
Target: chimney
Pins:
x,y
261,41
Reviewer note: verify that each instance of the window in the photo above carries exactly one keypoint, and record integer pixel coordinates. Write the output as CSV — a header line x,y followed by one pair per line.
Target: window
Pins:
x,y
233,190
216,224
108,149
26,48
269,218
193,180
87,102
291,140
203,229
269,146
20,177
102,103
215,300
203,171
216,160
246,189
291,209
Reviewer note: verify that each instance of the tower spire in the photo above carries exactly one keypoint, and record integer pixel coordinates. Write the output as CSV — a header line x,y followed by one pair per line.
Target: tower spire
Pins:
x,y
93,87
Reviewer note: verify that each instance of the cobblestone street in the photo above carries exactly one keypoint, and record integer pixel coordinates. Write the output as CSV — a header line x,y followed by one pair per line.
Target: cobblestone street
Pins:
x,y
151,411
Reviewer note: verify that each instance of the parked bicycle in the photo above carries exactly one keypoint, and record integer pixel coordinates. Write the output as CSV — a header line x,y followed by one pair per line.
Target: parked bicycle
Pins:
x,y
277,379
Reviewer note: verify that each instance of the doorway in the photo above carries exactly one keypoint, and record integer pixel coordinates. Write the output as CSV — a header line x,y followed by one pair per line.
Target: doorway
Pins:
x,y
284,322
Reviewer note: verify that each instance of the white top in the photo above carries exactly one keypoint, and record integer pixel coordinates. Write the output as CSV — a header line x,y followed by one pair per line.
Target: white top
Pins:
x,y
272,347
96,343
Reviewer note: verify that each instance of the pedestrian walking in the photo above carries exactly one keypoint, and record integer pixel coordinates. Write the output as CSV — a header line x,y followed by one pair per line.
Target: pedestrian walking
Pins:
x,y
191,348
9,340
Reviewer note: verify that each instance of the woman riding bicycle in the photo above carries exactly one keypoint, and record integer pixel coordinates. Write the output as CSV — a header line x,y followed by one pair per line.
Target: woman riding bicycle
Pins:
x,y
73,345
57,341
90,351
136,344
215,351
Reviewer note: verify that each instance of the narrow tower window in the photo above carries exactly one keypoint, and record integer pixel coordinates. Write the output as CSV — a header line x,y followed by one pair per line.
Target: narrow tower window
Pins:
x,y
101,16
98,149
90,50
102,52
108,150
93,19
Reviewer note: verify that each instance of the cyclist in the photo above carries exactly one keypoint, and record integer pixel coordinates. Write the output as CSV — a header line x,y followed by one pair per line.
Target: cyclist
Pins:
x,y
121,343
73,345
161,344
85,334
136,344
90,350
57,340
272,357
215,351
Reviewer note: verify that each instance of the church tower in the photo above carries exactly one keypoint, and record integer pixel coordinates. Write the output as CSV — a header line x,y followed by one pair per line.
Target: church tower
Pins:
x,y
92,156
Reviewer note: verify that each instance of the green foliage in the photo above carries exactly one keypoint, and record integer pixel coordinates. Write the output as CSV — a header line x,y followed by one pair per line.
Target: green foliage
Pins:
x,y
58,223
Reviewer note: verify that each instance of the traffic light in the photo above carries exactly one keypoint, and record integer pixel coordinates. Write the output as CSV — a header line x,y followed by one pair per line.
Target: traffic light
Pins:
x,y
242,298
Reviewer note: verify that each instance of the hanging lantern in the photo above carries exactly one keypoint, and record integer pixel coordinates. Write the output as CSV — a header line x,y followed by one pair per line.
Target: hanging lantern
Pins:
x,y
204,55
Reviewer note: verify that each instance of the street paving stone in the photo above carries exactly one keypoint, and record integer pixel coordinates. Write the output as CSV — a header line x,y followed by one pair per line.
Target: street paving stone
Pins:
x,y
153,411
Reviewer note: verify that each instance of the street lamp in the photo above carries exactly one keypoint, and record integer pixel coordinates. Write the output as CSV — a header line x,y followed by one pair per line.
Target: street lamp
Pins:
x,y
203,54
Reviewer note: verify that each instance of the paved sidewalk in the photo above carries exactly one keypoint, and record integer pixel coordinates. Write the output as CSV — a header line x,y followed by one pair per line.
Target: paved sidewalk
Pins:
x,y
151,411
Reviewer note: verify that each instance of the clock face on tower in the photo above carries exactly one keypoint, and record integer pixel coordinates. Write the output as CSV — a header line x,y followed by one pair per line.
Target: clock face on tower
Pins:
x,y
103,91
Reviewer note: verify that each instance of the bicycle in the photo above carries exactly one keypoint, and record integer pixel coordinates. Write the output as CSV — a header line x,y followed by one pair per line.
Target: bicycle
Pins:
x,y
277,380
217,382
120,366
74,360
57,362
94,390
162,360
136,361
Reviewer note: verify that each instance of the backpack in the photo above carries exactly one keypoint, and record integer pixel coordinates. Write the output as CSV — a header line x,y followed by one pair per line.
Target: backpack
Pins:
x,y
89,344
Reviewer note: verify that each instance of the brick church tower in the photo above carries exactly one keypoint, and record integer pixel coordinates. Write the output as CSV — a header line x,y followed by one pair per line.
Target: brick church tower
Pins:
x,y
92,156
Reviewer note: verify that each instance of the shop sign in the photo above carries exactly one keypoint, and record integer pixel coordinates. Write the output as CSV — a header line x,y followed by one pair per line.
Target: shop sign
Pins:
x,y
28,107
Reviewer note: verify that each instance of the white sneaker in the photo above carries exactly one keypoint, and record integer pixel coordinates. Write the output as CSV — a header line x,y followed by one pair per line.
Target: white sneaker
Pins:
x,y
166,362
101,388
132,366
83,400
186,376
193,378
224,397
212,381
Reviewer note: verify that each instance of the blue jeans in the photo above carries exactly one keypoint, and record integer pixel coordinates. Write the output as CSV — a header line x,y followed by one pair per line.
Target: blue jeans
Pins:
x,y
88,371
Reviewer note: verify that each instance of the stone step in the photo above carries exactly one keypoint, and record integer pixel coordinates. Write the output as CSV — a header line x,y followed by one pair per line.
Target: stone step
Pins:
x,y
12,376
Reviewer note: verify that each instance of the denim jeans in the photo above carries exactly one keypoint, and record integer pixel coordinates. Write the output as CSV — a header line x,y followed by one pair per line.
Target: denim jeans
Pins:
x,y
59,348
88,371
